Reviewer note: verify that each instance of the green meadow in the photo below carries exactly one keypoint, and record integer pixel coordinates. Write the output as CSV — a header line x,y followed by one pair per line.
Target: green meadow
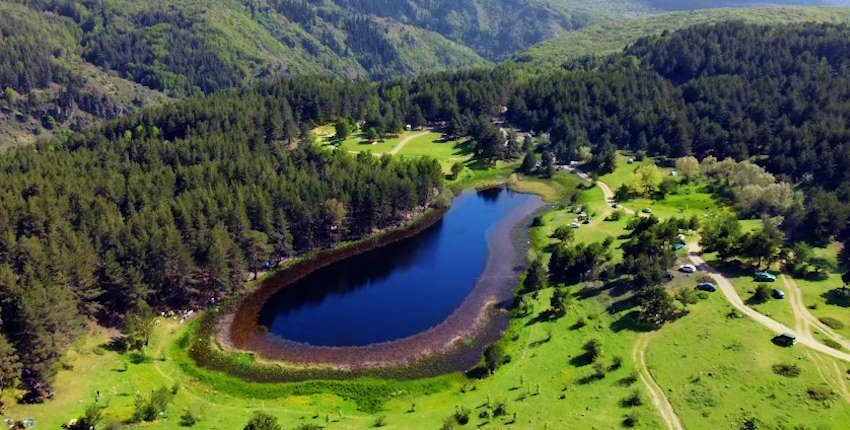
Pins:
x,y
716,368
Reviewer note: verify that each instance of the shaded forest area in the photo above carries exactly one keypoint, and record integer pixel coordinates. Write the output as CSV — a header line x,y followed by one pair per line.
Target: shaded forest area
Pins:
x,y
173,205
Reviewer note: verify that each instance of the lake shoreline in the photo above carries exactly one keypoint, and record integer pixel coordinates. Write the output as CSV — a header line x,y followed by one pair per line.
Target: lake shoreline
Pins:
x,y
455,344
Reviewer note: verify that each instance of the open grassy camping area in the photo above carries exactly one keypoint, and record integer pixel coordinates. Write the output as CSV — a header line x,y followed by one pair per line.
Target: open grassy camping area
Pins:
x,y
411,143
587,366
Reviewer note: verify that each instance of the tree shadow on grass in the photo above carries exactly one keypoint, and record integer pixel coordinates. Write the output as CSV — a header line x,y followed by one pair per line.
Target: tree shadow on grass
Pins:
x,y
116,344
622,305
632,322
585,359
544,316
837,297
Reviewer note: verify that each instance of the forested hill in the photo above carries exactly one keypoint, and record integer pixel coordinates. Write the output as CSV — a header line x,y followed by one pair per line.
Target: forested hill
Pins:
x,y
67,64
173,205
613,36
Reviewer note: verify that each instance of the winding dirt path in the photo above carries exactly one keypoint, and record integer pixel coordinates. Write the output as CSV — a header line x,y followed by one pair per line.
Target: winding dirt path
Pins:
x,y
804,319
803,337
656,393
400,145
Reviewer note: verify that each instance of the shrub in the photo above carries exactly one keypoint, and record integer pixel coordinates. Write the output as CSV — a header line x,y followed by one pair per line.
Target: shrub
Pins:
x,y
462,415
448,424
537,222
832,344
761,295
381,421
787,370
616,363
494,356
263,421
148,409
832,323
628,380
499,408
598,370
820,393
615,216
631,419
634,400
687,296
593,349
188,419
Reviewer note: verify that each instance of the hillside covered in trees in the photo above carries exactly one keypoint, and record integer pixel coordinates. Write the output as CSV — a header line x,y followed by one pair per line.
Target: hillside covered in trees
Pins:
x,y
70,64
175,204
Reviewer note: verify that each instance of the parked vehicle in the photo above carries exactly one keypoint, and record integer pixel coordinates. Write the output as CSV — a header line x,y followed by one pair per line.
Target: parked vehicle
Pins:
x,y
785,339
707,286
778,294
765,277
687,268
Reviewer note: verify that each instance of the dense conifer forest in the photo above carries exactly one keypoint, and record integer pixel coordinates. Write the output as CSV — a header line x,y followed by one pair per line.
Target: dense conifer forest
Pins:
x,y
177,204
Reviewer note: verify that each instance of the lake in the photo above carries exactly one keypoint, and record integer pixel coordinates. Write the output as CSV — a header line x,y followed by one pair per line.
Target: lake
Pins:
x,y
398,290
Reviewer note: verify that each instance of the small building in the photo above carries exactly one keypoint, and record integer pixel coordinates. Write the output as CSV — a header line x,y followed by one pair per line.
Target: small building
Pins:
x,y
778,294
674,173
785,339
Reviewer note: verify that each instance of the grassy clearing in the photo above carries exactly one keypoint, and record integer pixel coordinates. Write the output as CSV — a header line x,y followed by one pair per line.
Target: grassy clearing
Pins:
x,y
716,371
816,293
420,144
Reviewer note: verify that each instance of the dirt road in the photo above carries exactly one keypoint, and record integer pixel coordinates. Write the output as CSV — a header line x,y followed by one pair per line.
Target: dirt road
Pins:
x,y
400,145
804,319
804,338
656,393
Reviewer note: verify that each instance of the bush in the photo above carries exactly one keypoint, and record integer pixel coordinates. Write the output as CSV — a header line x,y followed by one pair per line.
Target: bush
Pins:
x,y
615,216
599,370
634,400
761,295
631,419
537,222
593,349
494,356
448,424
787,370
462,415
820,393
149,409
188,419
263,421
616,363
687,296
499,408
832,323
832,344
381,421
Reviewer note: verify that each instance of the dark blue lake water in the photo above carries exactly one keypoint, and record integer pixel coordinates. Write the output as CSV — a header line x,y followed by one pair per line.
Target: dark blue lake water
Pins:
x,y
396,291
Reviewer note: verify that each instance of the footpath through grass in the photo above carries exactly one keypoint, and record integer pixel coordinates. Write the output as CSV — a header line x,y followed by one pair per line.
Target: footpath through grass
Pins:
x,y
717,370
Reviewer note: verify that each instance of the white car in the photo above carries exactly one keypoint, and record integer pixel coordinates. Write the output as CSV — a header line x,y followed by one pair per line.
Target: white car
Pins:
x,y
687,268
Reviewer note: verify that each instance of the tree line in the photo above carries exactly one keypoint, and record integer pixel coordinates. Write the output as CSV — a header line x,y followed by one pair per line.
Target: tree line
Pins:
x,y
172,205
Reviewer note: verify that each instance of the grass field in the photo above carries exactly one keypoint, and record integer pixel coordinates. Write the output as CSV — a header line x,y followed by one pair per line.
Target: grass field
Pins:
x,y
715,370
418,144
